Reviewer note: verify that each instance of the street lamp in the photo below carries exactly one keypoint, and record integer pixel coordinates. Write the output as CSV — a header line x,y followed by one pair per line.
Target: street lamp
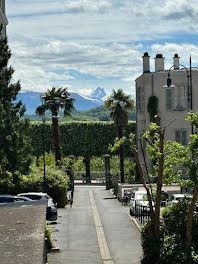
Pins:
x,y
189,78
43,134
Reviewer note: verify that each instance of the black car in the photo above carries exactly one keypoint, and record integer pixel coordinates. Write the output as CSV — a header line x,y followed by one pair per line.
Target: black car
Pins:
x,y
51,212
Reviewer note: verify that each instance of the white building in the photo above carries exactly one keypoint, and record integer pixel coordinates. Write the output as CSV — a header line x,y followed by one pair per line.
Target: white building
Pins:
x,y
3,19
174,102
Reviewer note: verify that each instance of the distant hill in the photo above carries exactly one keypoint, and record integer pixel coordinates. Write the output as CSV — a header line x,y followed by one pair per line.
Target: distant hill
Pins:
x,y
86,107
96,114
84,103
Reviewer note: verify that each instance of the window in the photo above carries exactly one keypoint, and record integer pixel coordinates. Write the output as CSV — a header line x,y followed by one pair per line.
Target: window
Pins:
x,y
33,197
140,99
176,98
169,99
179,97
181,136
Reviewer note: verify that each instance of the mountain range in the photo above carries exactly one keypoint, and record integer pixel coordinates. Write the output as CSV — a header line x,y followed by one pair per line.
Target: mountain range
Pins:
x,y
83,103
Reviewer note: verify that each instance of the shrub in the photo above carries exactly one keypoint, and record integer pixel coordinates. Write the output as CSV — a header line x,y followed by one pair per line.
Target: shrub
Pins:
x,y
173,248
56,180
6,183
170,248
150,245
48,236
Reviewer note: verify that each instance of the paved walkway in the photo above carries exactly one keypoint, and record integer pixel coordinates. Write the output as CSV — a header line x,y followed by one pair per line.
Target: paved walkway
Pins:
x,y
97,230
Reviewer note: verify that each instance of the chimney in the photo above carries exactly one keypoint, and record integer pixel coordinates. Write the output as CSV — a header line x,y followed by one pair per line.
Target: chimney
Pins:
x,y
146,62
176,61
159,63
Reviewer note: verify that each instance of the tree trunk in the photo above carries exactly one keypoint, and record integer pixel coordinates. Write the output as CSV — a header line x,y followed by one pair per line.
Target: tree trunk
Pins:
x,y
86,161
121,150
56,137
190,218
159,183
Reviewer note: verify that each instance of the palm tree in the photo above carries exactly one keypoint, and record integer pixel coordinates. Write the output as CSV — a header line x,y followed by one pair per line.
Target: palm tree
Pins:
x,y
54,100
120,103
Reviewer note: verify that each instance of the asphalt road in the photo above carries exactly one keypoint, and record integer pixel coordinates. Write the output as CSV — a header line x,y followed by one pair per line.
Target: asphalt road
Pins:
x,y
96,230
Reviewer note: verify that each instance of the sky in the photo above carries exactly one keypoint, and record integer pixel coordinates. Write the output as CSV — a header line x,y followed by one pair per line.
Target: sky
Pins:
x,y
83,44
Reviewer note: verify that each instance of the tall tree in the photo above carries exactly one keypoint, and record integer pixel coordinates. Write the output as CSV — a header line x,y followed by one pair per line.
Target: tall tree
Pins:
x,y
173,161
120,104
54,100
15,145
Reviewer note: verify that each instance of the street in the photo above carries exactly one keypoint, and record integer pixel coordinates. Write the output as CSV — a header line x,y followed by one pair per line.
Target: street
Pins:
x,y
96,230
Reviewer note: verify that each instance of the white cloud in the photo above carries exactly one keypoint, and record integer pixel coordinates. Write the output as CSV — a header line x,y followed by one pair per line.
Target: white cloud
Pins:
x,y
45,62
183,50
104,39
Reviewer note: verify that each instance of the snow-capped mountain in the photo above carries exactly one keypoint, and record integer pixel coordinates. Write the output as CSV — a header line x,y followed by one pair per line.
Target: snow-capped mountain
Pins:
x,y
32,100
98,93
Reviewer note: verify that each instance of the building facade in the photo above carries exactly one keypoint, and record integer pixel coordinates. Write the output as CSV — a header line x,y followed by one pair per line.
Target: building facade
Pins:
x,y
3,19
174,102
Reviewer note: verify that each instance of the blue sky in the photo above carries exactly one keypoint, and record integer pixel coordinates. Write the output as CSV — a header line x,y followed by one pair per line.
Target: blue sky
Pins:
x,y
82,44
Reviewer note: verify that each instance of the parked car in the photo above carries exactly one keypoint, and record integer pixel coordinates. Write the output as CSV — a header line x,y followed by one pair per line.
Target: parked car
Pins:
x,y
51,213
8,198
139,198
175,198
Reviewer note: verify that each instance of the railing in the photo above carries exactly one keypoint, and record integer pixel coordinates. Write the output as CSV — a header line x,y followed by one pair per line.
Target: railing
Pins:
x,y
142,213
94,174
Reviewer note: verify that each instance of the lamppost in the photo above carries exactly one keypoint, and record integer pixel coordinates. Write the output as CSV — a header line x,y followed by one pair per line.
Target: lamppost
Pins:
x,y
189,78
43,134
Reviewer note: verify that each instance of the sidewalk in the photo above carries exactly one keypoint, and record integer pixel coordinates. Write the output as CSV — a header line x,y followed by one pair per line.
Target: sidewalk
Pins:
x,y
97,230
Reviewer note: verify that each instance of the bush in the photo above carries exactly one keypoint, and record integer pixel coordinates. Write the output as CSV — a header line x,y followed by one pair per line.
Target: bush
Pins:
x,y
150,245
48,236
6,183
173,248
57,183
170,248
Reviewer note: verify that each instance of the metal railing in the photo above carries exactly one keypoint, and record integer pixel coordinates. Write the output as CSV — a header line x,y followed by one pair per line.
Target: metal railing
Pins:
x,y
142,213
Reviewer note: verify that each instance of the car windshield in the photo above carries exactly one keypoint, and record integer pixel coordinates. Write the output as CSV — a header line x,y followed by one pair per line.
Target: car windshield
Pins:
x,y
141,197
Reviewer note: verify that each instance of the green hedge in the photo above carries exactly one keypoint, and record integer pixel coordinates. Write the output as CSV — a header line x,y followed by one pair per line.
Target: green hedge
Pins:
x,y
78,138
56,180
170,248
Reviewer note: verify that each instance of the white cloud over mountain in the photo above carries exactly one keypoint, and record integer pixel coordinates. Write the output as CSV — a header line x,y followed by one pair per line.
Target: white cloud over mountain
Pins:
x,y
102,41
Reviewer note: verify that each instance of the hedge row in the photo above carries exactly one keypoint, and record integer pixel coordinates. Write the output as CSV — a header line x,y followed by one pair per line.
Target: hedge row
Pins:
x,y
78,138
57,183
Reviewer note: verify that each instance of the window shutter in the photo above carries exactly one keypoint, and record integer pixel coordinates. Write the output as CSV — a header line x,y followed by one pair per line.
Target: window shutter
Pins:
x,y
183,138
168,99
142,98
138,102
177,136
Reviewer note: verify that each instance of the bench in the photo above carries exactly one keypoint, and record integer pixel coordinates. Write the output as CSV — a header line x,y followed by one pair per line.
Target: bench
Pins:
x,y
85,179
100,180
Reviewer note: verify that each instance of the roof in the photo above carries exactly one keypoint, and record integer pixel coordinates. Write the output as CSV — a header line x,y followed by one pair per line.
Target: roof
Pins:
x,y
181,195
22,229
34,193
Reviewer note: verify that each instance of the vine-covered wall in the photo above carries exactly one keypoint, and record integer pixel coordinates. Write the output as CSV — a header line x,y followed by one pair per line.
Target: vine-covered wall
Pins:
x,y
78,138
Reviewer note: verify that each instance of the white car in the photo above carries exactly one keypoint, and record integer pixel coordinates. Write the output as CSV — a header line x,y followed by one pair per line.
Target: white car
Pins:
x,y
175,198
51,213
138,198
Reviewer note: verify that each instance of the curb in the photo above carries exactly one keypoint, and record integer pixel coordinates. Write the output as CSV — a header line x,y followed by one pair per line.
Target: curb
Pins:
x,y
54,250
135,222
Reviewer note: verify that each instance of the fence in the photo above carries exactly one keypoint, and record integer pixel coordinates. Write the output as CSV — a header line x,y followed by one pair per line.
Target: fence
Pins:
x,y
78,175
142,213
